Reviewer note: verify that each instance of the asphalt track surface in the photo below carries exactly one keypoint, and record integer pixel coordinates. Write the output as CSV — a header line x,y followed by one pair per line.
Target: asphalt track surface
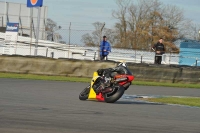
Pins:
x,y
32,106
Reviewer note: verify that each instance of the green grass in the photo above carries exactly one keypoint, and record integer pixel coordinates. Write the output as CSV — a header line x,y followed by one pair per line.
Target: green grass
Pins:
x,y
167,84
43,77
82,79
195,101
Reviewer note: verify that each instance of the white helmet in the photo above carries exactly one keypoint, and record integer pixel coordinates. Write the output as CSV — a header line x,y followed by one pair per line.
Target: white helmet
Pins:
x,y
122,64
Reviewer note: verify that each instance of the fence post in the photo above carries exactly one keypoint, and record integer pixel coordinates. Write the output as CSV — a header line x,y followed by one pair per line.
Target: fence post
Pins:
x,y
47,51
94,55
2,21
196,61
141,58
85,53
170,57
52,54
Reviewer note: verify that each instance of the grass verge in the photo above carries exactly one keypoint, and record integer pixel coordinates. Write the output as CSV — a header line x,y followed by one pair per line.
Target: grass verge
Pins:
x,y
43,77
171,100
194,101
81,79
167,84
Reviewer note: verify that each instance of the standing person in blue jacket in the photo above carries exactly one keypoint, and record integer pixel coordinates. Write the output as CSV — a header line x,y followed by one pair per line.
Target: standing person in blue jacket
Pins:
x,y
105,49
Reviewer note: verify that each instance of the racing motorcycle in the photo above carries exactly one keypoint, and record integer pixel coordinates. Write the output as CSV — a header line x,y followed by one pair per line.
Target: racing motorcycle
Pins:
x,y
117,84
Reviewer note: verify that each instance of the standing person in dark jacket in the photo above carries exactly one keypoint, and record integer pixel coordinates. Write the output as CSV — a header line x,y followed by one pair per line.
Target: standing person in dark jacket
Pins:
x,y
159,49
105,48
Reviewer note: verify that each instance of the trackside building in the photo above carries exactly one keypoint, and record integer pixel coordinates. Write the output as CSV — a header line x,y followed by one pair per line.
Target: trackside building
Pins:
x,y
189,53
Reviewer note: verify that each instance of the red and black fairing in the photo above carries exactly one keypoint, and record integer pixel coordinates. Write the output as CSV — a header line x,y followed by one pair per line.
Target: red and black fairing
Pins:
x,y
100,97
123,80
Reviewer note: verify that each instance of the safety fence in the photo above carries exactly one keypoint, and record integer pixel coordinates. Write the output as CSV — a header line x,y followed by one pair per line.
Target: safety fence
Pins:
x,y
90,53
84,53
73,45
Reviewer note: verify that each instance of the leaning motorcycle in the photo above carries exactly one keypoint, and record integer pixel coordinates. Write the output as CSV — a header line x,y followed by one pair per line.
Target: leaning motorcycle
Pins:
x,y
118,83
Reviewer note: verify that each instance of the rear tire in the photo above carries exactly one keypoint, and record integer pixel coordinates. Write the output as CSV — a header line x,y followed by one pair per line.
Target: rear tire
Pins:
x,y
85,93
114,96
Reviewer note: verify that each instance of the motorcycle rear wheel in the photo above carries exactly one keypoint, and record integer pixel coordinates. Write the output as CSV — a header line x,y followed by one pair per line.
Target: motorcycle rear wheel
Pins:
x,y
115,95
85,93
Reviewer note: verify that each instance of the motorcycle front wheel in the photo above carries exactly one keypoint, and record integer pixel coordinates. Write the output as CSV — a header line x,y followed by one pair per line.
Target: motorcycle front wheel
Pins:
x,y
85,93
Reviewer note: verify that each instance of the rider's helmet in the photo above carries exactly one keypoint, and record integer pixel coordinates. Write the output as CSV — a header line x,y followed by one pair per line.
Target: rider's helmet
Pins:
x,y
122,63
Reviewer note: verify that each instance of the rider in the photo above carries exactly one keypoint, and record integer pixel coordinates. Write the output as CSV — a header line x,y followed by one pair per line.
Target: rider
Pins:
x,y
159,49
107,74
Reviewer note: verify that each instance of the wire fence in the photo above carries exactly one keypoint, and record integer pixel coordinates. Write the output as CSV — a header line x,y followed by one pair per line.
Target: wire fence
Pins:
x,y
84,53
70,43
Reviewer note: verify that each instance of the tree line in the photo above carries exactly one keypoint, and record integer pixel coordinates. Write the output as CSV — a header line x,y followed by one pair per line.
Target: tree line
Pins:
x,y
140,23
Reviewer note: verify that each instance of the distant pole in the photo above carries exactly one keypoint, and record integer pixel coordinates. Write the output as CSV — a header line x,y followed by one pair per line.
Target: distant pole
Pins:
x,y
69,38
31,23
6,10
37,31
38,4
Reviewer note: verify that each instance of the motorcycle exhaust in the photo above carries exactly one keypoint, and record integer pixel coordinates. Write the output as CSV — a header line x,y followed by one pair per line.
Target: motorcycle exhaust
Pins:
x,y
106,90
121,79
126,85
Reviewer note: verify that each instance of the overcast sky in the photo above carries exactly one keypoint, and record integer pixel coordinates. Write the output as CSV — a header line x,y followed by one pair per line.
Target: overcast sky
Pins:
x,y
86,12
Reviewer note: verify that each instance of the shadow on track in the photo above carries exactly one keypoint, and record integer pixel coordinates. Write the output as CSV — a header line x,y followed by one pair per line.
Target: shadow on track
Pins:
x,y
137,102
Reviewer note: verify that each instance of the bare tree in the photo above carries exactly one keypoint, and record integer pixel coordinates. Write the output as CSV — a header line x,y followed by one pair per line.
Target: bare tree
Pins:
x,y
197,32
121,16
88,40
111,35
194,32
142,18
143,22
185,29
93,38
51,28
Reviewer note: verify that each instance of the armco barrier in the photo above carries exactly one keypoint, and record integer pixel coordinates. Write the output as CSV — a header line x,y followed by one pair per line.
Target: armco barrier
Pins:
x,y
85,68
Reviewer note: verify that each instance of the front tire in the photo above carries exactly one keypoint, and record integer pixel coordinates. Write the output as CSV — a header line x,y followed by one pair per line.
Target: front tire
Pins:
x,y
85,93
115,95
